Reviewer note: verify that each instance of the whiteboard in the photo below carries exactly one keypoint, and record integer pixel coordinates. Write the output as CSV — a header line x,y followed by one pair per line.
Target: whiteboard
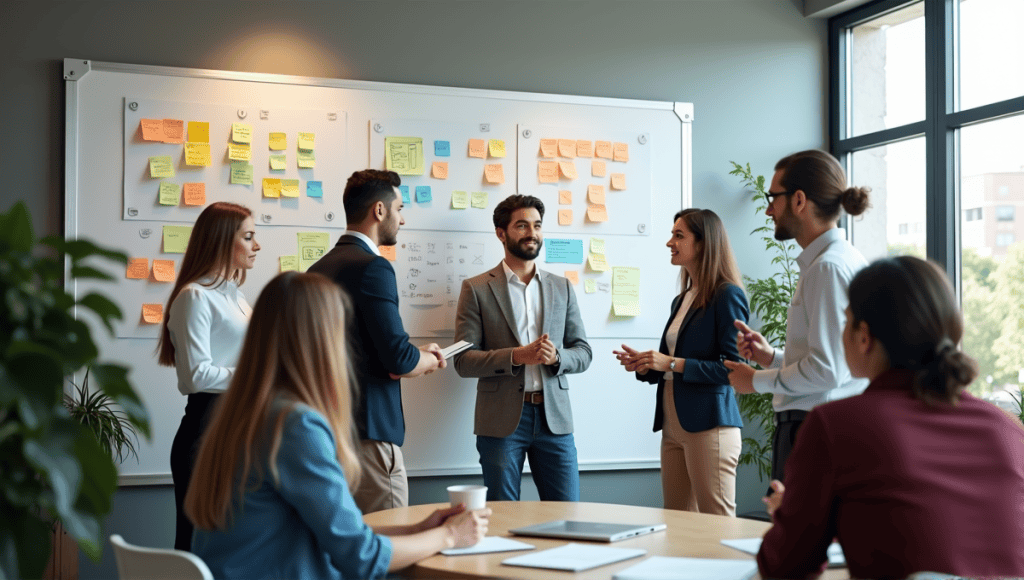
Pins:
x,y
613,413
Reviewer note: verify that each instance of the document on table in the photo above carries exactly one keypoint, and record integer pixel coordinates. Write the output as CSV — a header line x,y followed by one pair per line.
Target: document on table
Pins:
x,y
575,557
836,558
664,568
489,544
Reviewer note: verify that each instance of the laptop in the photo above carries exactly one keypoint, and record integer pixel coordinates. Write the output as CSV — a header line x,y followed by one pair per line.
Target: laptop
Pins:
x,y
593,531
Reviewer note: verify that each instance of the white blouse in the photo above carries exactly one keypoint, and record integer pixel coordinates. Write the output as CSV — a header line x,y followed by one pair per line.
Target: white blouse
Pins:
x,y
207,327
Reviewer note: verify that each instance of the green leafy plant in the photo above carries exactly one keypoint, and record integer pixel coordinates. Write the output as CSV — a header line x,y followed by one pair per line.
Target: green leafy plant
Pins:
x,y
110,424
51,466
769,301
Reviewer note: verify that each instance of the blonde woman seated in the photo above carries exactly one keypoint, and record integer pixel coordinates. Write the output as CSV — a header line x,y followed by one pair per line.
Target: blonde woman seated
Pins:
x,y
271,493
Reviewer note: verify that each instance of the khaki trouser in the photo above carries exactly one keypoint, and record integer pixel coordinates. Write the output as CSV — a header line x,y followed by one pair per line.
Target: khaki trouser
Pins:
x,y
384,484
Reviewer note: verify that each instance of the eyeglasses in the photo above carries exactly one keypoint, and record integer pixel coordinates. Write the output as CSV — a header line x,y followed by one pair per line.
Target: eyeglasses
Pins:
x,y
771,196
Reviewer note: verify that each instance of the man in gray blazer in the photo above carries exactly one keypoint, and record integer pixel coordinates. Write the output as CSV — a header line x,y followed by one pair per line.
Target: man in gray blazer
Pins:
x,y
527,335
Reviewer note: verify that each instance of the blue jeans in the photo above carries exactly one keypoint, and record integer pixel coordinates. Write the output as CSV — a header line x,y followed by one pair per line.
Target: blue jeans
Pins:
x,y
552,460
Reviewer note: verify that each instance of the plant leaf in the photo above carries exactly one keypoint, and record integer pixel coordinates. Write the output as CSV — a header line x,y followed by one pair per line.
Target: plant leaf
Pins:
x,y
17,228
103,307
79,272
113,380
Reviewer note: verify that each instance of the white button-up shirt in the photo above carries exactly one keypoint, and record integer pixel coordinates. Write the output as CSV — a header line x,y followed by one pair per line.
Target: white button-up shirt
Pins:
x,y
366,240
812,369
528,310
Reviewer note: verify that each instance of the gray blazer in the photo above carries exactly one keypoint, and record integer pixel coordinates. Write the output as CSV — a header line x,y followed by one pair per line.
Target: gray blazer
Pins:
x,y
485,318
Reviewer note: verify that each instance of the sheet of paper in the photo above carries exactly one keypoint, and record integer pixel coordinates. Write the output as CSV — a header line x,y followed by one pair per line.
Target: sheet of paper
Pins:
x,y
567,148
836,558
565,217
152,129
597,213
198,132
174,130
239,152
585,148
404,155
478,148
448,352
170,193
547,171
494,173
138,269
598,168
314,189
590,286
307,141
573,276
496,147
460,199
619,181
603,149
597,262
307,159
439,170
549,148
665,568
390,253
163,270
241,132
176,239
626,291
271,187
312,247
442,149
195,194
621,152
278,162
595,194
198,154
564,197
597,245
404,189
152,313
161,166
479,199
289,188
563,251
241,173
289,263
568,169
575,557
278,141
423,194
489,544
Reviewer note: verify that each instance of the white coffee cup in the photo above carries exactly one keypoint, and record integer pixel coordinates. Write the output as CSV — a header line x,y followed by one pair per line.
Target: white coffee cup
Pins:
x,y
474,496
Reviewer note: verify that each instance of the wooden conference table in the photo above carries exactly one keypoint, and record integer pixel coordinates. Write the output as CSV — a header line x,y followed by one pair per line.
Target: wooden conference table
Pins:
x,y
688,534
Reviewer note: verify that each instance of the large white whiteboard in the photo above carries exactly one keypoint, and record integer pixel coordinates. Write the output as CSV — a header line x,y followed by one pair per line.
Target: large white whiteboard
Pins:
x,y
613,413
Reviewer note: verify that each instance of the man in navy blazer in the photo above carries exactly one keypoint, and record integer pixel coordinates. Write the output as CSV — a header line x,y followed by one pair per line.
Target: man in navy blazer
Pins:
x,y
380,346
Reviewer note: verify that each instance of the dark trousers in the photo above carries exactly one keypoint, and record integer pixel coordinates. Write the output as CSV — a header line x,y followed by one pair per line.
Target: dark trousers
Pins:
x,y
198,412
786,425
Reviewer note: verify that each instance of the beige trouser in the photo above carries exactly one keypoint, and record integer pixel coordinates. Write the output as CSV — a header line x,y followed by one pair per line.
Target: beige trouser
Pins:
x,y
698,470
384,484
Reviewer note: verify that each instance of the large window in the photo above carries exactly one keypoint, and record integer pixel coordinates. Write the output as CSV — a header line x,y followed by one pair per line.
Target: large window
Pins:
x,y
927,108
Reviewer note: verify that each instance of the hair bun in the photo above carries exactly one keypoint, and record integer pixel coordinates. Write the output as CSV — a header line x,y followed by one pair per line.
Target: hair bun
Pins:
x,y
952,367
855,200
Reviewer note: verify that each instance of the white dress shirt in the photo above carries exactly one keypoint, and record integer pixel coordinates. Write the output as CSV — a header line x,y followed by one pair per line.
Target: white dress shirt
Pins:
x,y
366,239
812,369
207,327
527,308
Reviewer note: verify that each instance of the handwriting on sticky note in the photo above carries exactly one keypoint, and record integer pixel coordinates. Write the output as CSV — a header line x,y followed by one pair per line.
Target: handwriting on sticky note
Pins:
x,y
198,132
239,151
597,213
568,169
241,173
565,217
494,173
563,251
404,155
289,263
619,181
573,276
152,313
549,148
442,149
195,194
480,199
307,159
496,147
478,148
278,141
567,148
198,154
564,197
597,262
176,239
423,194
603,149
595,194
278,162
597,245
152,129
138,269
163,270
460,199
598,168
161,166
590,286
271,187
547,171
170,193
241,132
314,189
585,148
312,247
307,141
439,170
289,188
174,130
390,253
621,152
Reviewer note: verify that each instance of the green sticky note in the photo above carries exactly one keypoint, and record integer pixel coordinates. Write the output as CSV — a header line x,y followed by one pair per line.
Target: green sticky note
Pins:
x,y
460,199
626,282
170,193
176,239
241,173
161,166
596,246
590,286
289,263
480,199
307,159
278,162
312,247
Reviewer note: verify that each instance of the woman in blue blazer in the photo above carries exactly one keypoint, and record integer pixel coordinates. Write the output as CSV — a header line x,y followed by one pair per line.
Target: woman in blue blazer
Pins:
x,y
696,408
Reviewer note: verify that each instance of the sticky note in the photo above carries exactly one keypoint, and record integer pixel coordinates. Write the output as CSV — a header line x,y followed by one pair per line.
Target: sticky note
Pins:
x,y
460,199
241,173
549,148
138,269
152,129
597,213
423,193
564,217
478,148
163,270
585,148
241,132
271,187
563,251
439,170
198,154
567,148
161,166
314,189
176,239
389,253
442,149
573,276
597,262
152,313
289,263
568,169
494,173
621,152
170,193
278,141
619,181
278,162
595,194
405,193
307,141
198,132
598,168
480,199
404,155
626,291
289,188
597,246
565,197
195,194
312,247
589,286
547,171
626,306
239,152
307,159
603,149
174,130
496,147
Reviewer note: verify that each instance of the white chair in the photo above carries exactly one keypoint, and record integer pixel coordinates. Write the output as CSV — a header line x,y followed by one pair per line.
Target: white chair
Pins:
x,y
138,563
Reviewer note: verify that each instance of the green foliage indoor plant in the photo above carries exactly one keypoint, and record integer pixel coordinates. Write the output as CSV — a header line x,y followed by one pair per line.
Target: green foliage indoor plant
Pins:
x,y
51,466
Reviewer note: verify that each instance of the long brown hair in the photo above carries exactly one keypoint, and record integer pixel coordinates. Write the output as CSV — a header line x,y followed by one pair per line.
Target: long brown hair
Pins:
x,y
208,254
295,348
716,264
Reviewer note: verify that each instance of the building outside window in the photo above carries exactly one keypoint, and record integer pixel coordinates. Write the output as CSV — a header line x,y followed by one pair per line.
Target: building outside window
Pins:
x,y
1004,213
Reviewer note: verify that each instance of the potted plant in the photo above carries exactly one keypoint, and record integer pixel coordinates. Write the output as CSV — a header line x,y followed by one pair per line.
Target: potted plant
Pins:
x,y
51,466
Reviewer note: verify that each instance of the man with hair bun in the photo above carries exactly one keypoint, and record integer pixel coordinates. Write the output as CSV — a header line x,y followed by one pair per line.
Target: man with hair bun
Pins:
x,y
805,198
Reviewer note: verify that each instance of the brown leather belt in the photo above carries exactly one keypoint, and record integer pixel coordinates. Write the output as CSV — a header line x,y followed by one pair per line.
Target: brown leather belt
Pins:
x,y
534,397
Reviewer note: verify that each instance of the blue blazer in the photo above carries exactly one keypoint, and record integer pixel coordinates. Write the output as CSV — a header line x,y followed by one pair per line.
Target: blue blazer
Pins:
x,y
702,394
376,337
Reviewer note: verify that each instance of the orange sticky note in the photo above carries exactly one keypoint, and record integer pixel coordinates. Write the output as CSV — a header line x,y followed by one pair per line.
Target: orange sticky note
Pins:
x,y
564,217
568,169
597,213
567,148
174,130
549,147
621,152
439,170
585,148
595,194
494,173
152,313
271,187
195,194
389,252
618,181
565,197
152,129
163,270
598,168
138,269
547,171
478,148
573,276
603,149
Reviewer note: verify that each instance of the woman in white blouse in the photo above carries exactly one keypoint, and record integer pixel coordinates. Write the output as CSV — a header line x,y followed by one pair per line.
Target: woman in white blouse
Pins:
x,y
207,317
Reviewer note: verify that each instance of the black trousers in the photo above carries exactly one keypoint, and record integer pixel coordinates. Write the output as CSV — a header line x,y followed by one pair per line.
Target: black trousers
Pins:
x,y
787,423
198,412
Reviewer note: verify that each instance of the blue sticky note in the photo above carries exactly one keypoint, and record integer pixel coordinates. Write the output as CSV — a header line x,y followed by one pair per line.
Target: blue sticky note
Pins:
x,y
442,149
314,188
405,193
562,251
423,194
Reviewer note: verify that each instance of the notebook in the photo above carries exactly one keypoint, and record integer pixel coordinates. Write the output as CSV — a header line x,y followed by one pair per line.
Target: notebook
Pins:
x,y
575,557
593,531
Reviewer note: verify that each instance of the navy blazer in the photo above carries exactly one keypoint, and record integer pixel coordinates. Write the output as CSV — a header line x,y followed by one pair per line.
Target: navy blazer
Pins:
x,y
702,394
376,337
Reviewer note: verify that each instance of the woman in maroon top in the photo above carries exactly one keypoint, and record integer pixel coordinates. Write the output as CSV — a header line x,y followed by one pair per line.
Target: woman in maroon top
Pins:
x,y
914,474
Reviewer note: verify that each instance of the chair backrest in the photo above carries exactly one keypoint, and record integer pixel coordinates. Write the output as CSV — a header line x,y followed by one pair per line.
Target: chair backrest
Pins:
x,y
138,563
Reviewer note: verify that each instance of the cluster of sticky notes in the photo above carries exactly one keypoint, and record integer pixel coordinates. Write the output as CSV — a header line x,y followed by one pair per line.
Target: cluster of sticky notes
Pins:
x,y
596,257
626,291
307,154
481,148
162,130
138,269
240,154
463,199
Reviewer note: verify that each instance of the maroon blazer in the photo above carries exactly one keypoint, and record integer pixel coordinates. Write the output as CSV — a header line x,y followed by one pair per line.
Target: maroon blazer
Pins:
x,y
906,487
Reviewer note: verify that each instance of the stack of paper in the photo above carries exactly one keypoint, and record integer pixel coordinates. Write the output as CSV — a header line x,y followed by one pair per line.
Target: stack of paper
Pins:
x,y
663,568
575,557
489,544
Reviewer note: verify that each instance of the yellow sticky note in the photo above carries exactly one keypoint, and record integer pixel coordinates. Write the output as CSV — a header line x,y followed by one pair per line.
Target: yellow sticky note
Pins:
x,y
621,152
497,147
241,132
176,239
389,253
626,306
595,194
198,132
161,166
619,181
198,154
239,152
307,159
152,129
312,247
567,148
597,262
195,194
138,269
152,313
598,168
603,149
289,263
278,142
590,286
404,155
307,141
271,187
170,193
439,170
547,171
460,199
564,217
568,169
478,148
597,246
585,148
626,291
278,162
549,148
480,199
174,130
289,188
573,276
494,173
163,270
597,213
565,197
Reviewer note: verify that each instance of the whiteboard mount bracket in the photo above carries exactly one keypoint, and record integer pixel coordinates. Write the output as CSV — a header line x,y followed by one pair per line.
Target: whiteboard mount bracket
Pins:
x,y
76,68
684,111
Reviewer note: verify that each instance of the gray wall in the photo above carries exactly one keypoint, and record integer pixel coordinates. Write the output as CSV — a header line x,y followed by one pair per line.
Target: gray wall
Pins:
x,y
755,70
